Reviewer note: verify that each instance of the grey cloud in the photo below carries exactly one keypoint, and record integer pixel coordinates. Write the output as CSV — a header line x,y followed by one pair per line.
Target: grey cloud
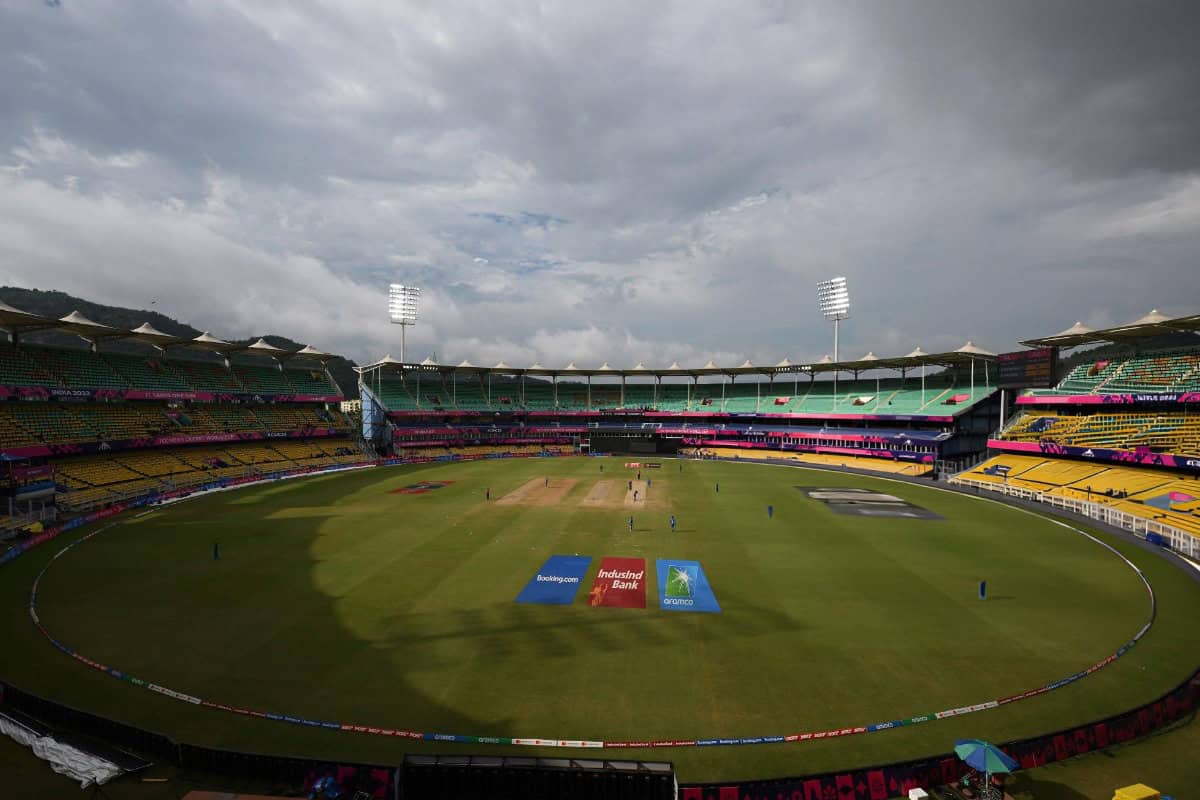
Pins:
x,y
1104,87
609,181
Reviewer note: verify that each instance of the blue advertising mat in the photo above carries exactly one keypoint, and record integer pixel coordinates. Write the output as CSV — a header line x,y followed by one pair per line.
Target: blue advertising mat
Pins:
x,y
683,586
557,581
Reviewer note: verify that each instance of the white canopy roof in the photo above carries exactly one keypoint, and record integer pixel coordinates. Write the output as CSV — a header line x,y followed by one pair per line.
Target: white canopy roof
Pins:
x,y
14,318
1152,324
971,349
16,321
963,355
82,326
151,335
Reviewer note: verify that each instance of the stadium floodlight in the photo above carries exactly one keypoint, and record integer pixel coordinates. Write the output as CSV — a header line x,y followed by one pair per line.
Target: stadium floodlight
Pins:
x,y
833,298
402,308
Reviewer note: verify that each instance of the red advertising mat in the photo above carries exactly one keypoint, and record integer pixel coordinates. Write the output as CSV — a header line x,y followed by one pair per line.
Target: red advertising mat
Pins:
x,y
621,583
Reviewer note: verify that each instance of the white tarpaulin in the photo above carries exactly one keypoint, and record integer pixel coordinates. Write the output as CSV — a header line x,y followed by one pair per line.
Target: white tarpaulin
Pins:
x,y
63,759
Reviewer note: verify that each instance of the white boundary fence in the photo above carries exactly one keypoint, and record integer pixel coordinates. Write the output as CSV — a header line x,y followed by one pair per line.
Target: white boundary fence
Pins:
x,y
1180,541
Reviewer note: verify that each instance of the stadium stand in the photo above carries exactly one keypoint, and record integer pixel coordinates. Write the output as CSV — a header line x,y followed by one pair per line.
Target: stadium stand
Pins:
x,y
468,393
38,365
941,396
114,421
1176,370
146,372
1159,495
207,376
673,397
639,395
17,369
50,423
90,481
1162,431
262,379
25,424
817,459
539,396
394,394
217,417
310,381
77,368
116,425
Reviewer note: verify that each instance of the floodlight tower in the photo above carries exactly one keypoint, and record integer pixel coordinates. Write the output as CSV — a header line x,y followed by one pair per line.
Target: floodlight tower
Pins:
x,y
834,300
402,308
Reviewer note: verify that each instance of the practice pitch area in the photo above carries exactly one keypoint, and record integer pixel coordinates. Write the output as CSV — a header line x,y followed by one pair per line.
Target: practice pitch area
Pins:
x,y
403,599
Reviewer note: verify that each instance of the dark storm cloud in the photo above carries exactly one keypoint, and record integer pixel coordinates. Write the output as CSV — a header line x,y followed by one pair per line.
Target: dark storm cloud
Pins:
x,y
606,182
1105,87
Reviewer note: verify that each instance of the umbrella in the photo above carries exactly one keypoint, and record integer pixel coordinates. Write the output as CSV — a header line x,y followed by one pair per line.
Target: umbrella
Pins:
x,y
984,756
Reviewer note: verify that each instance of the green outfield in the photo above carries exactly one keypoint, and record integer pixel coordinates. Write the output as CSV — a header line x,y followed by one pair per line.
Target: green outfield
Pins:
x,y
338,598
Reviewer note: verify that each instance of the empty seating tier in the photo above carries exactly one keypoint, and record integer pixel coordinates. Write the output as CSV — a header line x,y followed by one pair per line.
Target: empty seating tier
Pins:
x,y
90,481
1167,431
1162,496
1165,371
817,459
62,367
309,381
30,424
262,379
941,395
147,372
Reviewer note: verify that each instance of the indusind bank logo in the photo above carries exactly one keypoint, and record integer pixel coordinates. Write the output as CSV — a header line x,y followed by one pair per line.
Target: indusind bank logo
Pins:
x,y
620,583
623,578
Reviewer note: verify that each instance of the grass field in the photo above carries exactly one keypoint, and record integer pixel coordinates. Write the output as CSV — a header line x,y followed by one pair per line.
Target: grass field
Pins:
x,y
336,598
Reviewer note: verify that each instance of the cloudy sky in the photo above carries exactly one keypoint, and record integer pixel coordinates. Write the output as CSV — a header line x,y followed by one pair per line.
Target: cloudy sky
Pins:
x,y
614,181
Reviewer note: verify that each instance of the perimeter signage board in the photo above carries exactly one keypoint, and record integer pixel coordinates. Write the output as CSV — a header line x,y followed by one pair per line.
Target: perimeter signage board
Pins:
x,y
1027,369
557,582
683,586
620,582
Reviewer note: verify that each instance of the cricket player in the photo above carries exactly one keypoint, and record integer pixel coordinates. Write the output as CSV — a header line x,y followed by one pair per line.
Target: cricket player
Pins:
x,y
672,523
631,524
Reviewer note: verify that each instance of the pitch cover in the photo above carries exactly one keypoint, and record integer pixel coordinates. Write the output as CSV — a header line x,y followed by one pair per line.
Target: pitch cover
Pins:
x,y
683,586
620,582
557,582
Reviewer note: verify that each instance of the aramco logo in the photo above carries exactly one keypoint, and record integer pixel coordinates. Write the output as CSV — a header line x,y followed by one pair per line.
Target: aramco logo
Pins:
x,y
681,585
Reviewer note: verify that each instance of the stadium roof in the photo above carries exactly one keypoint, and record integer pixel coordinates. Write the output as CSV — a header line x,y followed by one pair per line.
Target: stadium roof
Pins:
x,y
1152,324
14,321
964,355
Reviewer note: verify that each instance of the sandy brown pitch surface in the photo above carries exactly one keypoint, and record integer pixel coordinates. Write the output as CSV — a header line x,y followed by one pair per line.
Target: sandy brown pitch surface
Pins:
x,y
536,492
640,488
618,493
